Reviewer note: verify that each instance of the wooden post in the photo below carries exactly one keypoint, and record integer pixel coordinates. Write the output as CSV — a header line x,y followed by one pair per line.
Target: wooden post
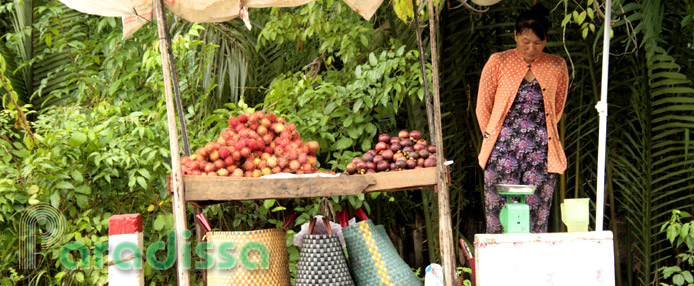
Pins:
x,y
182,121
445,229
179,207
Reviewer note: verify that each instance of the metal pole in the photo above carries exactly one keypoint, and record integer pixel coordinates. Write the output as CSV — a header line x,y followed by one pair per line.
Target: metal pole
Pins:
x,y
445,229
179,207
425,78
602,110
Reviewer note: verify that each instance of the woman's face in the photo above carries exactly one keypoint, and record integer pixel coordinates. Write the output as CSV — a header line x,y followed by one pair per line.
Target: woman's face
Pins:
x,y
529,45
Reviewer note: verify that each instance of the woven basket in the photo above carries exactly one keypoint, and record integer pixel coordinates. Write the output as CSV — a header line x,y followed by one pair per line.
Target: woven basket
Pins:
x,y
252,267
321,260
373,259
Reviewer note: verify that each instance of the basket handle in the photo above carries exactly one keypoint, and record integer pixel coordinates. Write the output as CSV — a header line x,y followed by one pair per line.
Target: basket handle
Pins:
x,y
326,223
203,222
342,218
289,220
360,214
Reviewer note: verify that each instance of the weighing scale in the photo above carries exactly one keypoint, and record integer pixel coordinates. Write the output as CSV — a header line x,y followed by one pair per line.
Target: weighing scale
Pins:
x,y
515,216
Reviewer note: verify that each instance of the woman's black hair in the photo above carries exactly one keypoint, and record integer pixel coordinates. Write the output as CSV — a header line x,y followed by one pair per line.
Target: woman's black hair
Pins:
x,y
535,19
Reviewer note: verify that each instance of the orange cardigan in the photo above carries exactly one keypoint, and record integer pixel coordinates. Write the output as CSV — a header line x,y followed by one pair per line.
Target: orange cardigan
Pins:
x,y
499,83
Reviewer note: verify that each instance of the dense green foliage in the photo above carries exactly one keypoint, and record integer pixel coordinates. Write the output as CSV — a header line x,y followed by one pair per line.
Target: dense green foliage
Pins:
x,y
681,236
94,104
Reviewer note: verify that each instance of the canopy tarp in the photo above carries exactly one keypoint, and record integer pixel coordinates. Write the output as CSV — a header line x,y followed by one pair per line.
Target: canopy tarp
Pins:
x,y
136,13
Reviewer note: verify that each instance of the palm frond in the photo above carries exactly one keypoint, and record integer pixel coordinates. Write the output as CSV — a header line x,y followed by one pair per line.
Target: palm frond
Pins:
x,y
652,169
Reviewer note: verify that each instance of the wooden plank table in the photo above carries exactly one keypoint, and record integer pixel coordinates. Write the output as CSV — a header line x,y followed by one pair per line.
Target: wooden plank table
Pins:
x,y
205,190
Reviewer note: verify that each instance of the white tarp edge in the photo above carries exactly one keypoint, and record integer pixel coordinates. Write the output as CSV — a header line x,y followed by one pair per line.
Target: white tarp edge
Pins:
x,y
136,13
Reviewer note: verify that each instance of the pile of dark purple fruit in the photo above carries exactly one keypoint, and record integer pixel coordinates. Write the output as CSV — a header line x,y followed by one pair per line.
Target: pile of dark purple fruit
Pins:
x,y
406,151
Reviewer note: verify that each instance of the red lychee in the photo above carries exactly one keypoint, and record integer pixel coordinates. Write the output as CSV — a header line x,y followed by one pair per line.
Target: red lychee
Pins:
x,y
248,165
292,154
226,134
279,151
219,164
262,164
209,167
312,145
224,152
252,119
266,171
294,165
245,151
229,161
267,138
307,168
233,121
272,117
282,162
303,158
265,123
272,161
214,155
262,130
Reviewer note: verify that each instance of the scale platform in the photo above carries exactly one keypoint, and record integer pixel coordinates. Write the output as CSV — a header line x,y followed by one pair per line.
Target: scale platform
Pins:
x,y
508,189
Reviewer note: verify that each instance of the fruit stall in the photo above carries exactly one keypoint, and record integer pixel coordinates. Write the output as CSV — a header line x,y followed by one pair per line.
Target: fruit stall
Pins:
x,y
258,146
268,148
201,190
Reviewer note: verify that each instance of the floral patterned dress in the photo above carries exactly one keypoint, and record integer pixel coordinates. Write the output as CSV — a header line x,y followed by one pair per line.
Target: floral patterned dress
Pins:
x,y
520,157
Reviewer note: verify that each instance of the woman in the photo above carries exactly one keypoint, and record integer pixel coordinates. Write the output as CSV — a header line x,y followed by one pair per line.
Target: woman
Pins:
x,y
521,98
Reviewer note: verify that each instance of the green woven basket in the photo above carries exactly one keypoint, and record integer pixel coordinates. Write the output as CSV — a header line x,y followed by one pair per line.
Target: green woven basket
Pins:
x,y
373,259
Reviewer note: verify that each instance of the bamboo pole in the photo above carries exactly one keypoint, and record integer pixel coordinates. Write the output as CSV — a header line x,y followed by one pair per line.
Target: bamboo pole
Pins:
x,y
176,174
445,229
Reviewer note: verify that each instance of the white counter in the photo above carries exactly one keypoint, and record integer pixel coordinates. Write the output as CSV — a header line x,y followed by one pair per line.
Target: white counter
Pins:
x,y
581,258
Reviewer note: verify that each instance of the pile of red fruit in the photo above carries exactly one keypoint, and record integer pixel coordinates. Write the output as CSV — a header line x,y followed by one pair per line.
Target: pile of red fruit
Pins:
x,y
406,151
254,145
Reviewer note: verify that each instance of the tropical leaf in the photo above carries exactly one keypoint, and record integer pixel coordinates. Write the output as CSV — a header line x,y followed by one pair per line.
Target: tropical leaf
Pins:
x,y
45,46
